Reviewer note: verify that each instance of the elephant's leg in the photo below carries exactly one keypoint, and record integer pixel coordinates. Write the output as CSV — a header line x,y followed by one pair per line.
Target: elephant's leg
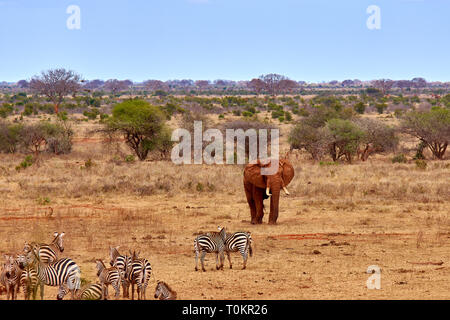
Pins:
x,y
258,196
251,201
273,210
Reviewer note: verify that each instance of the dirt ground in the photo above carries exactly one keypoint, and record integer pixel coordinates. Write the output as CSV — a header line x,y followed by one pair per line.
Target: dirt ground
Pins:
x,y
338,221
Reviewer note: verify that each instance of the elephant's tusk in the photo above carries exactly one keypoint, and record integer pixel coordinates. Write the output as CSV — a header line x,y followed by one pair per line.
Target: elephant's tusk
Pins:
x,y
268,192
286,191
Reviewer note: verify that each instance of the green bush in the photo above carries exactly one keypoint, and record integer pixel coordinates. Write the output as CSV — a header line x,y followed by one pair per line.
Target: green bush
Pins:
x,y
421,164
400,158
27,162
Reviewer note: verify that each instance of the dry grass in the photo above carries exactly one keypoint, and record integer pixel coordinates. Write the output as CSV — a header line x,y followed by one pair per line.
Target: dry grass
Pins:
x,y
338,220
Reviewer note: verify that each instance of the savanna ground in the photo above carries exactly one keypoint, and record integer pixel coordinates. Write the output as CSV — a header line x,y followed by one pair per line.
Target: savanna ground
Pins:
x,y
338,220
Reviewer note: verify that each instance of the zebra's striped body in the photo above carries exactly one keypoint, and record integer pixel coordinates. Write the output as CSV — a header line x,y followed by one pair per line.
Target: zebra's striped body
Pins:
x,y
88,292
139,273
62,272
29,282
211,242
10,276
108,276
239,241
164,292
120,262
48,253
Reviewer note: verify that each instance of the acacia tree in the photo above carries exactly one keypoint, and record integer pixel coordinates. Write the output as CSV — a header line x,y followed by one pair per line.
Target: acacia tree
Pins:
x,y
431,127
378,137
256,85
345,138
154,85
384,85
116,86
272,82
55,84
142,125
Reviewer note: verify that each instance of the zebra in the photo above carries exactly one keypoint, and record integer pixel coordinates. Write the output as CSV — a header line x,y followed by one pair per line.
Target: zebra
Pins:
x,y
59,273
139,272
10,276
208,243
120,262
239,241
48,252
88,292
29,280
108,276
164,292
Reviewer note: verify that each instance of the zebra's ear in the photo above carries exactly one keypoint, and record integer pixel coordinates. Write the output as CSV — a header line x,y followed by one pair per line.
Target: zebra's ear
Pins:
x,y
55,234
62,234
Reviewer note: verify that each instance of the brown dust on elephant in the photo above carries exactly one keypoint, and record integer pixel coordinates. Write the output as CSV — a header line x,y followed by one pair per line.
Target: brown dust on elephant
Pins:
x,y
259,187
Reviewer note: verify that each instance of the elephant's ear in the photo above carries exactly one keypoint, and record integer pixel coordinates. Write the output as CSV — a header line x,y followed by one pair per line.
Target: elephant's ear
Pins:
x,y
252,174
287,171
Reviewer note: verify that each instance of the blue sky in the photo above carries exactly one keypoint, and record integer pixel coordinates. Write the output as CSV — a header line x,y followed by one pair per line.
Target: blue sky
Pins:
x,y
310,40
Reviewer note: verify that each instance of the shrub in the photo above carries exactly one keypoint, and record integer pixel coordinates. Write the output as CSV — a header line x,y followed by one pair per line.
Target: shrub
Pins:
x,y
9,137
360,107
421,164
400,158
27,162
130,158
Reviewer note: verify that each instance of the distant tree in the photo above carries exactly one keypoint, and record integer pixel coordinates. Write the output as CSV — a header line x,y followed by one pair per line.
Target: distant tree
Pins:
x,y
142,125
419,83
155,85
348,83
23,84
431,127
202,84
403,84
56,84
256,85
116,86
287,85
272,82
384,85
93,84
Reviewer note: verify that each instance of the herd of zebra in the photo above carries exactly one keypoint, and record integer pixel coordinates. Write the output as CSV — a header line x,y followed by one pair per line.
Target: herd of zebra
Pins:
x,y
40,265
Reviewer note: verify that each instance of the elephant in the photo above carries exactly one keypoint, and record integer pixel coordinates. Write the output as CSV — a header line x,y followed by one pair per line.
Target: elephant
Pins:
x,y
259,187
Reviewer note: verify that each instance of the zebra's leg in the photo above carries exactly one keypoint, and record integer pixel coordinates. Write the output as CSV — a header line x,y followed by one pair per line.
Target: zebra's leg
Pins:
x,y
196,260
217,261
202,260
229,259
245,257
132,290
41,284
117,288
222,260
